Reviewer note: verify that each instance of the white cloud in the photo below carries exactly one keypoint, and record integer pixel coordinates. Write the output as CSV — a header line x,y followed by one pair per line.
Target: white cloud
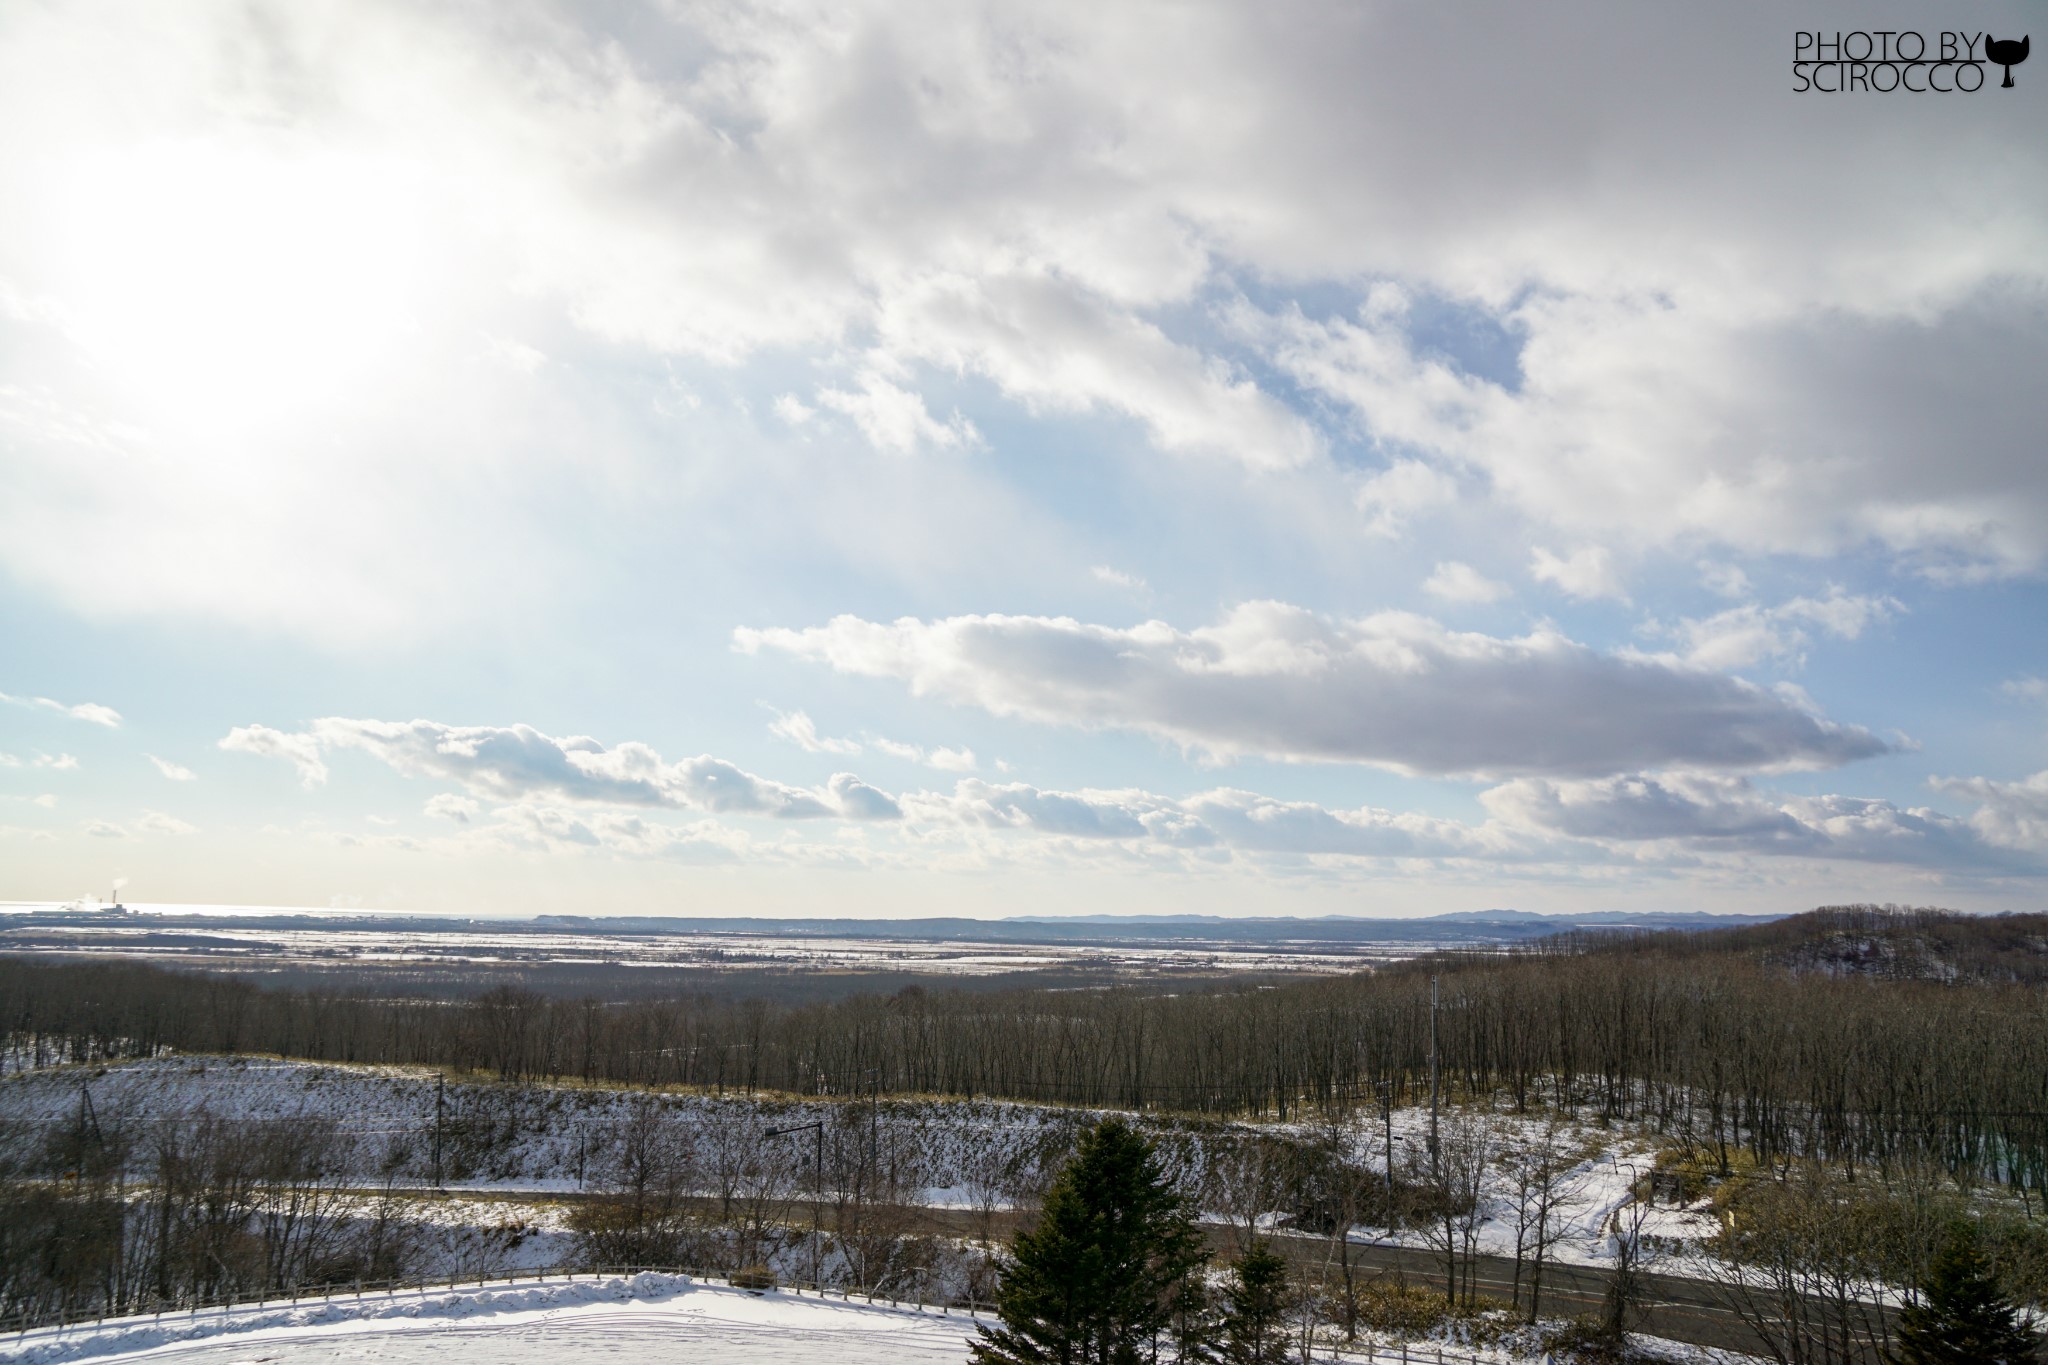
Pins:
x,y
2011,814
798,728
1058,347
156,822
1026,197
894,419
89,711
1719,813
853,799
9,761
177,772
46,801
2026,689
518,764
1456,582
541,828
1399,493
1710,408
1395,690
1690,820
1016,805
1256,823
793,410
1586,573
1117,578
1723,580
945,760
300,750
1639,806
1744,635
516,355
1221,819
449,806
62,763
105,829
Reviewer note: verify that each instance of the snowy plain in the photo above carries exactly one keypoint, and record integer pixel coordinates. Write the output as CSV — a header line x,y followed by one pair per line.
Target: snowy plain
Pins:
x,y
561,1321
589,1319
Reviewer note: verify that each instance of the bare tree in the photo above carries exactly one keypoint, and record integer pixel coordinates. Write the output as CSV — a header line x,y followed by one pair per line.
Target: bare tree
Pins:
x,y
1248,1177
1456,1183
645,1173
1627,1291
1539,1174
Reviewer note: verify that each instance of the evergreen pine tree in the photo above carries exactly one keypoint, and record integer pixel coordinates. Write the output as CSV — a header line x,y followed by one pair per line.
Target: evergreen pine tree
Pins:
x,y
1962,1317
1194,1327
1254,1332
1096,1280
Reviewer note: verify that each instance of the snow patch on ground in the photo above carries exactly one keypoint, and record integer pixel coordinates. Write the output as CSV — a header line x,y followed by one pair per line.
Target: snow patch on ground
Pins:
x,y
560,1321
589,1319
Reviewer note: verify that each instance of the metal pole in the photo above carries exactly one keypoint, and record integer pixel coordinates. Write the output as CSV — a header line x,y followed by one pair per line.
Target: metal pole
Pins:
x,y
817,1185
440,1101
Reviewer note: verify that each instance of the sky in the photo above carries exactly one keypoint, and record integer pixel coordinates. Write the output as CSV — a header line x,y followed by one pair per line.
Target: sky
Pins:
x,y
987,459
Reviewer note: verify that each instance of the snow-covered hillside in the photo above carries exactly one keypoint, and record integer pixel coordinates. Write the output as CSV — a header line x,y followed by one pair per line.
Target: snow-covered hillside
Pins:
x,y
530,1137
541,1139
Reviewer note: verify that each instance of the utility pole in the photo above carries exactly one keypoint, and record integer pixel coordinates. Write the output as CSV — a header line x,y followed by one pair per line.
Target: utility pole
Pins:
x,y
440,1111
817,1186
88,1117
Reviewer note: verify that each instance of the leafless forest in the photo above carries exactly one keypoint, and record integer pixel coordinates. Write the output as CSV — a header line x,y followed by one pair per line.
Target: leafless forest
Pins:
x,y
1853,1036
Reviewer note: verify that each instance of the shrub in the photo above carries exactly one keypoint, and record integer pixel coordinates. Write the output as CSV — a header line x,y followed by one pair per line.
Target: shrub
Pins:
x,y
758,1278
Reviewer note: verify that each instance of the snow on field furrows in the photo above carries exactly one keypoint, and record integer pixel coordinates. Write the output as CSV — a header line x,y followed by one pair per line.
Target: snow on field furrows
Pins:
x,y
535,1137
647,1317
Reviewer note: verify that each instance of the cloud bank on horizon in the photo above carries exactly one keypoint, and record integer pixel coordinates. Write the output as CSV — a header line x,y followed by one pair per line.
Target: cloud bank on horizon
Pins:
x,y
1182,453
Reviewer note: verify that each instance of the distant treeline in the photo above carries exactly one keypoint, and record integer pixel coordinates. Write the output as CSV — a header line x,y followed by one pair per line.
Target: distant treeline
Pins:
x,y
1856,1036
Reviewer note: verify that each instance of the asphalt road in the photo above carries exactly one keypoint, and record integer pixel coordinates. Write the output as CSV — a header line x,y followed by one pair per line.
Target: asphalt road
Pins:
x,y
1677,1307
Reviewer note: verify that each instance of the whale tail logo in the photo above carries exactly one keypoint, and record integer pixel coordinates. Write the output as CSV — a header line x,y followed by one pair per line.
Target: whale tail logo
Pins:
x,y
2008,53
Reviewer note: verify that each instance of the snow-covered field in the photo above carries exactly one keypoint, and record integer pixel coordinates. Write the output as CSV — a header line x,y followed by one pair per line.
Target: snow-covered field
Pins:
x,y
565,1321
238,938
560,1321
